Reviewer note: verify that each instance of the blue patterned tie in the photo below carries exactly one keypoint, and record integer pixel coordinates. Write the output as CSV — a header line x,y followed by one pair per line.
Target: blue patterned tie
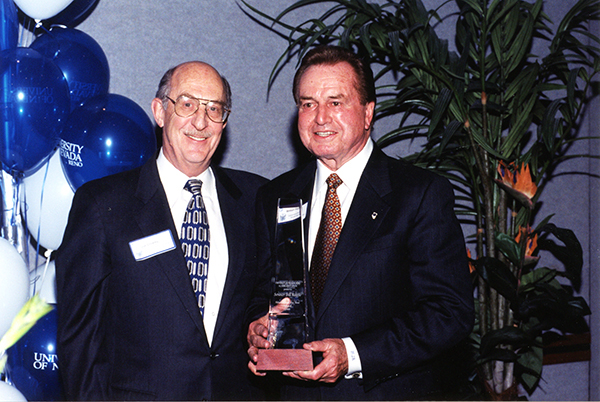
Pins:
x,y
195,241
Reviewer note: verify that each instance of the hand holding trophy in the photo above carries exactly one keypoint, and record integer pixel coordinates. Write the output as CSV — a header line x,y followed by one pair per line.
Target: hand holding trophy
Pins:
x,y
288,314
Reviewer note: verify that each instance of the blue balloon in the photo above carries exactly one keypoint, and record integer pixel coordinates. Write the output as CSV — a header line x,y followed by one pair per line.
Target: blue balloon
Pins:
x,y
34,106
9,25
81,60
32,364
74,14
107,134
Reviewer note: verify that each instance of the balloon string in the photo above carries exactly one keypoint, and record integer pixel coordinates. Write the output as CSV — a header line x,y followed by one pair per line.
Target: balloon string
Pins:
x,y
51,34
40,25
47,254
22,31
15,201
25,31
19,217
39,228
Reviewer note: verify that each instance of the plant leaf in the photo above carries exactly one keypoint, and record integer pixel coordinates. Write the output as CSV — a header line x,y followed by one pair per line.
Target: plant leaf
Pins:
x,y
533,362
509,335
509,247
570,253
498,276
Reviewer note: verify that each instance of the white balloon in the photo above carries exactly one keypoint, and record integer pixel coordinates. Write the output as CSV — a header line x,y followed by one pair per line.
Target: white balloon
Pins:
x,y
14,284
43,282
54,208
10,393
42,9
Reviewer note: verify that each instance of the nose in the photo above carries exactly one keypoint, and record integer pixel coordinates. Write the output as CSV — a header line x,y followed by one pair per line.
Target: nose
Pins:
x,y
323,115
200,118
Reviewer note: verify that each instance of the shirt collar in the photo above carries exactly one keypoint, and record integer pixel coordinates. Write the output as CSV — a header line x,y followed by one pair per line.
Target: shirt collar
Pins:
x,y
351,171
173,180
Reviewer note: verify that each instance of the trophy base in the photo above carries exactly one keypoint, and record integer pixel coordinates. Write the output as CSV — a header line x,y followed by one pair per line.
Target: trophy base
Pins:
x,y
284,360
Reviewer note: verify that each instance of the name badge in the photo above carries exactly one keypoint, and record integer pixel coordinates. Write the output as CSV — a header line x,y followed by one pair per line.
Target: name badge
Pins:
x,y
289,214
150,246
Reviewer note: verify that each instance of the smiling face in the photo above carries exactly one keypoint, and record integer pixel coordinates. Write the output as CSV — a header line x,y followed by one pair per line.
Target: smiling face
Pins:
x,y
332,122
190,142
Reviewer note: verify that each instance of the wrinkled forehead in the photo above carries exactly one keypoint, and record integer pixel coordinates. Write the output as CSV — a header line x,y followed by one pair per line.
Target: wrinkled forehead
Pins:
x,y
336,79
198,80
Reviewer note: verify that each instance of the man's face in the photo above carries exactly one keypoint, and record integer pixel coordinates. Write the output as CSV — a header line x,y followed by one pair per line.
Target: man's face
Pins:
x,y
190,142
333,124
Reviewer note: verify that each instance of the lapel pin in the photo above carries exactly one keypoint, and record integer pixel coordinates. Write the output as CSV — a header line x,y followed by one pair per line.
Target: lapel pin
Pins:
x,y
374,215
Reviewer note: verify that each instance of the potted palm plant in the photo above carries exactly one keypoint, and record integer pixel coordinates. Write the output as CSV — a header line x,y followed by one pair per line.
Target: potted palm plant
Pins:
x,y
496,120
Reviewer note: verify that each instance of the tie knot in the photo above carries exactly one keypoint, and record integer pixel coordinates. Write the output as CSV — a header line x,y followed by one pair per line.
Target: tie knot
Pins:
x,y
333,181
193,186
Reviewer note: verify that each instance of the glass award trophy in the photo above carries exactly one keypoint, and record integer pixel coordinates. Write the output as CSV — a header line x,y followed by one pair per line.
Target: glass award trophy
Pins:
x,y
288,325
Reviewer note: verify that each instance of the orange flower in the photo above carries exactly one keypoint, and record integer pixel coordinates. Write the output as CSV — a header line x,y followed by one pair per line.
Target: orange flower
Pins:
x,y
471,266
518,184
531,244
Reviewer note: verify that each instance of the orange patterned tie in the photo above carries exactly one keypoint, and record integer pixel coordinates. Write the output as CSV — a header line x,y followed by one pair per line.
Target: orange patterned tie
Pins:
x,y
327,238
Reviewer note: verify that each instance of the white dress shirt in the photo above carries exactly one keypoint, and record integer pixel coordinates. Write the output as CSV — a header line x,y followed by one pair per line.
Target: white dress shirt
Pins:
x,y
350,173
173,182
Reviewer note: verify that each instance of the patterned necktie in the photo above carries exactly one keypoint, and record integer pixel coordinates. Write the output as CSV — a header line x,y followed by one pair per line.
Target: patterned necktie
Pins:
x,y
327,238
195,241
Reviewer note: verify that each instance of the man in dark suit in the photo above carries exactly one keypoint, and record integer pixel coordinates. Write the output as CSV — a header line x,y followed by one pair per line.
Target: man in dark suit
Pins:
x,y
129,321
397,298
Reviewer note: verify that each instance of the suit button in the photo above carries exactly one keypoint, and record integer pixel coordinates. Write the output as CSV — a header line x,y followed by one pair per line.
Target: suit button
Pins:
x,y
214,355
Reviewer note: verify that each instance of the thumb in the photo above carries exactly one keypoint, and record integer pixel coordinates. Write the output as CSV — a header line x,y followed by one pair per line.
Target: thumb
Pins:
x,y
282,306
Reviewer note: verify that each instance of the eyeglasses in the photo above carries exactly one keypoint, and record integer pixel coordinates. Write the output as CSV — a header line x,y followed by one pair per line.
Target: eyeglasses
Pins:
x,y
185,106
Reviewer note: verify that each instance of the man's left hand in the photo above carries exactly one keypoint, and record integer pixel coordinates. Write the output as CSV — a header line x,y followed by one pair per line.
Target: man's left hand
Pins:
x,y
333,366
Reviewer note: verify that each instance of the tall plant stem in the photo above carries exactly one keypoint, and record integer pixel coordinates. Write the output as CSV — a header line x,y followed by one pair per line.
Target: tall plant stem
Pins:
x,y
505,370
482,296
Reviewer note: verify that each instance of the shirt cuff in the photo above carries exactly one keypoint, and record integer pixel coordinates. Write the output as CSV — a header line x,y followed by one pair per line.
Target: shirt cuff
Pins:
x,y
354,365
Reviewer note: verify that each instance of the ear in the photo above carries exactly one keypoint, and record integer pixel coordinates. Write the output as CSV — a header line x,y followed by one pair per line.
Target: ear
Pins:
x,y
158,111
369,113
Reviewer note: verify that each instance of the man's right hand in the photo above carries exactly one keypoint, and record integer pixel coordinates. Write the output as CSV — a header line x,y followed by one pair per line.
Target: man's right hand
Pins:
x,y
258,332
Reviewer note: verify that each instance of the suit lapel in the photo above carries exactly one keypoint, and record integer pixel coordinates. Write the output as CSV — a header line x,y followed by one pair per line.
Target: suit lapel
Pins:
x,y
302,189
153,217
229,196
303,184
367,211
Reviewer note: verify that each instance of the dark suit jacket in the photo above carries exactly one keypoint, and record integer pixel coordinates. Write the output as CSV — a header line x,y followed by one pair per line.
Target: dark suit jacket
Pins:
x,y
131,329
398,283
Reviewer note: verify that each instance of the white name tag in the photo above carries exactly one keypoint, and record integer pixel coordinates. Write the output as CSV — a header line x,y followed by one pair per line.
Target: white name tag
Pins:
x,y
152,245
290,214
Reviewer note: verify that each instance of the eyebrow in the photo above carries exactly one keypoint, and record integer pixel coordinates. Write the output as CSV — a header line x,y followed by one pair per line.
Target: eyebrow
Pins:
x,y
205,99
337,96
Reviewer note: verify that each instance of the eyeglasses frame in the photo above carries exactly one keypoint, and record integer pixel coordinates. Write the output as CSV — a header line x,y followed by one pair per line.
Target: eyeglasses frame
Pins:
x,y
201,101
